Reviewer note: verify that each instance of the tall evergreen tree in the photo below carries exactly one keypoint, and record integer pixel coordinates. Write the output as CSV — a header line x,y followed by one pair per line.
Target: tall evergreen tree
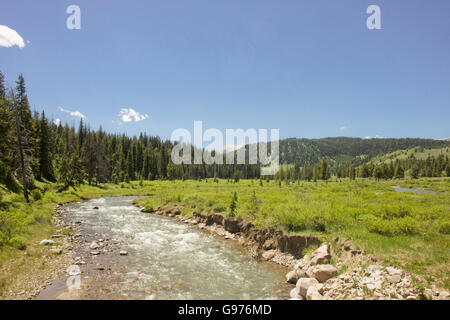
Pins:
x,y
45,161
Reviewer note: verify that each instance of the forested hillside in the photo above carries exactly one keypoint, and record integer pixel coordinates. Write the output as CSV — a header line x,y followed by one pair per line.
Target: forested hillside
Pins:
x,y
343,149
33,148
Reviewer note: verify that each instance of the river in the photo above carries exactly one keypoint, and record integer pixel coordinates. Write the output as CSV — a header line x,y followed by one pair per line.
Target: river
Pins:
x,y
171,260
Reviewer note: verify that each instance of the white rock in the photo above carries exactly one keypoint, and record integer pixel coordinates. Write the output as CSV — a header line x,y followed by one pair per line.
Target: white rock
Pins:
x,y
94,245
294,295
123,253
394,278
46,242
313,294
393,271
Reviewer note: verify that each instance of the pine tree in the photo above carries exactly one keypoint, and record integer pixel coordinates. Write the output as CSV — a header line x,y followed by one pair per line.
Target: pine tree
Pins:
x,y
45,162
22,152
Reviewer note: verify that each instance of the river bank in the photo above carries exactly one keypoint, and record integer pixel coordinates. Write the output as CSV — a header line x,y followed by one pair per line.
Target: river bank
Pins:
x,y
335,270
25,271
123,254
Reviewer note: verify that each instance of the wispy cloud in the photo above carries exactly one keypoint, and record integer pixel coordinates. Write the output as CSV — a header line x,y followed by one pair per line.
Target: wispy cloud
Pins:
x,y
73,113
10,38
343,128
131,115
57,121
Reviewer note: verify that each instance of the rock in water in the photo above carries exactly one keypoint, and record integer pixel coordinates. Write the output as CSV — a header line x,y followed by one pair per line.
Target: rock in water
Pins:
x,y
292,277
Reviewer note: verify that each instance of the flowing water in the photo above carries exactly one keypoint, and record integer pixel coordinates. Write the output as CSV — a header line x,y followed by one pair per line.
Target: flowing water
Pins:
x,y
398,189
170,260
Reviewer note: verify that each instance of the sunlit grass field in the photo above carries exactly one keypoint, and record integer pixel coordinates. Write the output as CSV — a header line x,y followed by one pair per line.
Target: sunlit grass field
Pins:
x,y
407,229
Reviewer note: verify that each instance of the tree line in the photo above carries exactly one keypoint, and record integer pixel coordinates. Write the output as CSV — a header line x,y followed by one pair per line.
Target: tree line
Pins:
x,y
32,148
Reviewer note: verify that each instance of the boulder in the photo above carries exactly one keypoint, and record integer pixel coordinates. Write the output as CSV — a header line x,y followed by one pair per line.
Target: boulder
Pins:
x,y
46,242
320,258
123,253
294,296
292,277
303,284
268,255
393,271
313,294
322,272
303,263
396,278
323,249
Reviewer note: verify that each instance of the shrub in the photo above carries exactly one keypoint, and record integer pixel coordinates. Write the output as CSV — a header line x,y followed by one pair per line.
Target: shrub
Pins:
x,y
36,194
149,209
394,227
233,204
18,242
444,227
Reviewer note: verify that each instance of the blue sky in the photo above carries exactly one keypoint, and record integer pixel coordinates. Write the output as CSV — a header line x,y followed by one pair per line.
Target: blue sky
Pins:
x,y
309,68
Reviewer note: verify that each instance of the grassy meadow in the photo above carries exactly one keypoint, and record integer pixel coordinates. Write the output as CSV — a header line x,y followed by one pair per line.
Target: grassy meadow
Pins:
x,y
407,229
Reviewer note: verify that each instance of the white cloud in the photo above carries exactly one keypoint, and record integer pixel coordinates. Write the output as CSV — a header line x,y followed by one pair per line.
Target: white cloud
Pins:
x,y
343,128
376,137
57,121
131,115
10,38
73,113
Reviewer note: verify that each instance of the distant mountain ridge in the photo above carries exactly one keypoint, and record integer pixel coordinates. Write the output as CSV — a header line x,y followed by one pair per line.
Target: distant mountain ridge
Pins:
x,y
343,149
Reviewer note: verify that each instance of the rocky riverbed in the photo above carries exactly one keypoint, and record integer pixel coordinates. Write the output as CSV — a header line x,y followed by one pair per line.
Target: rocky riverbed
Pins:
x,y
121,253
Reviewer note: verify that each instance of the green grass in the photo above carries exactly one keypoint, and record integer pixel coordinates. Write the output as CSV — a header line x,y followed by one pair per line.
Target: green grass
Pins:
x,y
23,226
407,230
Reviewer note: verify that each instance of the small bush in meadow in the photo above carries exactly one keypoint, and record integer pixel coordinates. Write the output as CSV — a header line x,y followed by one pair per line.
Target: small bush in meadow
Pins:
x,y
444,227
36,194
18,242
